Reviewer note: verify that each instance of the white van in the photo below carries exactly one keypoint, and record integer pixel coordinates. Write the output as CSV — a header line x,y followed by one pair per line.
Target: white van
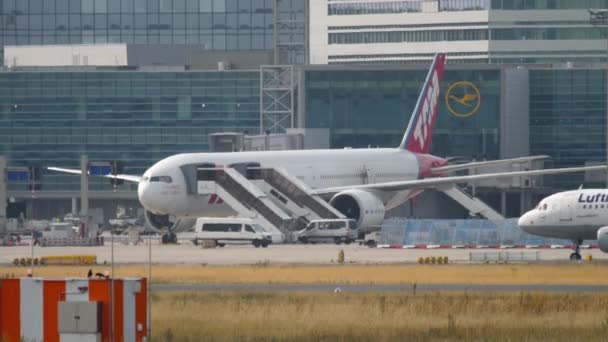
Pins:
x,y
225,230
337,230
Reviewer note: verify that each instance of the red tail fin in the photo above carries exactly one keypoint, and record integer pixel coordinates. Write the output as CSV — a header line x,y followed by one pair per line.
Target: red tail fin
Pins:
x,y
419,131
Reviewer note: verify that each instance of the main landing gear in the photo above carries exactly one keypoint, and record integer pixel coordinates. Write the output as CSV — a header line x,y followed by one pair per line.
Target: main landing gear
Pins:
x,y
576,256
169,237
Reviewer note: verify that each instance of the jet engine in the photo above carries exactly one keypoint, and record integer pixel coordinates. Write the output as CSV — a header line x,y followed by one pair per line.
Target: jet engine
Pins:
x,y
165,224
363,206
602,239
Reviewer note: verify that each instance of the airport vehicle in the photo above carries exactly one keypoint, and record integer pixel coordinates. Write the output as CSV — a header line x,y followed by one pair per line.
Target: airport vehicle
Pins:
x,y
124,221
223,230
360,184
576,215
337,230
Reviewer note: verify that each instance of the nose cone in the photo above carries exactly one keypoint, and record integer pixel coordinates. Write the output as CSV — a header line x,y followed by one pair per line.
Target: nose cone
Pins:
x,y
525,222
149,198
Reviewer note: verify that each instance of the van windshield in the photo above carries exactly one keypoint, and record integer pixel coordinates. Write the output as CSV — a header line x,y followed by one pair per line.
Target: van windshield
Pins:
x,y
258,228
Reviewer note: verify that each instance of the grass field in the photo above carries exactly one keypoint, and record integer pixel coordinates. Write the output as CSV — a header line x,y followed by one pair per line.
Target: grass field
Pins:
x,y
585,274
379,317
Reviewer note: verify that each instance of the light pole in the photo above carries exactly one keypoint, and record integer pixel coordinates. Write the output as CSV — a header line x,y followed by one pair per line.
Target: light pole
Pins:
x,y
599,19
149,282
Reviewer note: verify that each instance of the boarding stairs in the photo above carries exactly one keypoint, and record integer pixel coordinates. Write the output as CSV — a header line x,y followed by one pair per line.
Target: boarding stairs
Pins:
x,y
296,197
247,199
474,205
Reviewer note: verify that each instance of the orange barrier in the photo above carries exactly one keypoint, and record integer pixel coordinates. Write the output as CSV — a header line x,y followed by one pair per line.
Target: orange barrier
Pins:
x,y
29,307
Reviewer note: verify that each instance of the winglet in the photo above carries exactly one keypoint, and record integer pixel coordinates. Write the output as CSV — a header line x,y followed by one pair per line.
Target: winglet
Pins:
x,y
419,131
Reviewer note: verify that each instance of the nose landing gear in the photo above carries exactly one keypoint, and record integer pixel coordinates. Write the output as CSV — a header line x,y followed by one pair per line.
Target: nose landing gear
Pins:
x,y
576,256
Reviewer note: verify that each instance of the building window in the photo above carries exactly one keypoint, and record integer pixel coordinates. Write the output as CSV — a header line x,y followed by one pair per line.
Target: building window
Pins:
x,y
385,7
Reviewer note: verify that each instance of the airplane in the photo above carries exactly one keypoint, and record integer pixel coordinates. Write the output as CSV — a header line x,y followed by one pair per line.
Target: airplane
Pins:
x,y
576,215
360,183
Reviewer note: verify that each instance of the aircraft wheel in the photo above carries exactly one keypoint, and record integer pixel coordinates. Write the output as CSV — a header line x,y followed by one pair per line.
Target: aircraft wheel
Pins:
x,y
195,242
338,241
304,240
221,244
256,243
575,257
264,244
348,241
169,238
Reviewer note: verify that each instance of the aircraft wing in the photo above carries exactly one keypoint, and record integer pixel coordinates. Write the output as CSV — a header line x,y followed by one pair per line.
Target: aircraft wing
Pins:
x,y
474,165
438,182
128,178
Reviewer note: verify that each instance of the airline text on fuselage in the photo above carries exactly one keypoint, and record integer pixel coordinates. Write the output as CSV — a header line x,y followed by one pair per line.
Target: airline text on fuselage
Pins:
x,y
592,198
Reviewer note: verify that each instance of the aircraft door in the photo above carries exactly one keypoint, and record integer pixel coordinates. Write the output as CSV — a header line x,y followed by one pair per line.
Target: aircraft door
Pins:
x,y
565,208
369,175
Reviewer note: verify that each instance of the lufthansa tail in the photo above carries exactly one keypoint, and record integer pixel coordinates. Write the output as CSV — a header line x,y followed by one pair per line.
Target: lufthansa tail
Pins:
x,y
417,137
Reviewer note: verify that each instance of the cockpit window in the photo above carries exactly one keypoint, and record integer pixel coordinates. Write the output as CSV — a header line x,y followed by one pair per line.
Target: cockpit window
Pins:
x,y
545,206
161,179
145,179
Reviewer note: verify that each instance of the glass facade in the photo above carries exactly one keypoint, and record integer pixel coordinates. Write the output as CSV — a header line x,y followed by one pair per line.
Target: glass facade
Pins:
x,y
213,24
372,108
291,31
568,119
133,117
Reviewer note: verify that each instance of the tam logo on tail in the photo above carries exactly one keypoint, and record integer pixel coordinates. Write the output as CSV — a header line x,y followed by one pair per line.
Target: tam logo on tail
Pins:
x,y
419,131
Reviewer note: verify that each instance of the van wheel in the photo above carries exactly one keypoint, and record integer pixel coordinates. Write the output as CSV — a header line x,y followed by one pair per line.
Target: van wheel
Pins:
x,y
338,241
221,244
256,243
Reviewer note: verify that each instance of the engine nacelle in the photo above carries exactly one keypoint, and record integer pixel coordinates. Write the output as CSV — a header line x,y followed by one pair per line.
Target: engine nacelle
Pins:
x,y
602,239
164,223
363,206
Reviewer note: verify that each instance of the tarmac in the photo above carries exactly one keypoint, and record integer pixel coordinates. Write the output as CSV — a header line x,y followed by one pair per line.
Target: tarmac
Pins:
x,y
187,253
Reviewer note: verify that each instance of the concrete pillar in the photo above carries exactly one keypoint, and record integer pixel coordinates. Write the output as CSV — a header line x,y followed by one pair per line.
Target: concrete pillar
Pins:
x,y
522,202
3,195
74,206
29,210
503,203
84,186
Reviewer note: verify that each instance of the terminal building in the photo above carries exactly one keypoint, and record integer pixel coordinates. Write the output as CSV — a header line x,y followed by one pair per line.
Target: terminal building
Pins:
x,y
127,83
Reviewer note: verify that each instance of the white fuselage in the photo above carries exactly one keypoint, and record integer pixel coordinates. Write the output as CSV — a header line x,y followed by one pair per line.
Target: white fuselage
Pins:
x,y
575,215
316,168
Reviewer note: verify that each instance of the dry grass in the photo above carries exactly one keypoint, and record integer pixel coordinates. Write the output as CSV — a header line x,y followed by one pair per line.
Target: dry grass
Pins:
x,y
592,274
379,317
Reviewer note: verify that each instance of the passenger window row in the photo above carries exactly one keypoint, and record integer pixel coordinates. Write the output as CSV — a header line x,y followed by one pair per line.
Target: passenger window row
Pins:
x,y
597,206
